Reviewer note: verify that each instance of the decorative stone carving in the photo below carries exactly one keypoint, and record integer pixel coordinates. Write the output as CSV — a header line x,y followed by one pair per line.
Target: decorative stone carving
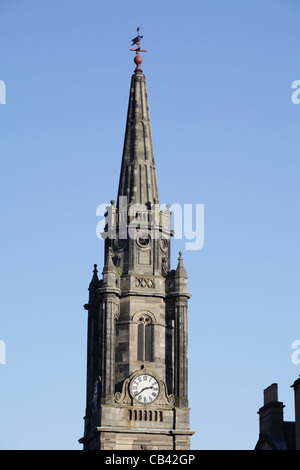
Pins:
x,y
117,311
165,266
120,243
164,244
146,282
165,399
125,397
143,313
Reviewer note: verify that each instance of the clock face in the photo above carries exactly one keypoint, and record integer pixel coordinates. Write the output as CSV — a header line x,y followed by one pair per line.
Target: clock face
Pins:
x,y
145,388
143,240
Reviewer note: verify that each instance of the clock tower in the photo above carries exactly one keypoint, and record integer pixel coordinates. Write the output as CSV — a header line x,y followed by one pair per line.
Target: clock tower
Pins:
x,y
137,358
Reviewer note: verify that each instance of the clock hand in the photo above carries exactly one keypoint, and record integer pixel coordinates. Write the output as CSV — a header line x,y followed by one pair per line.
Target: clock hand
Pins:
x,y
143,389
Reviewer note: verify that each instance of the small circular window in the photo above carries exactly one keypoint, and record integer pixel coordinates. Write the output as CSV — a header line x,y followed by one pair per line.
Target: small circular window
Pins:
x,y
143,240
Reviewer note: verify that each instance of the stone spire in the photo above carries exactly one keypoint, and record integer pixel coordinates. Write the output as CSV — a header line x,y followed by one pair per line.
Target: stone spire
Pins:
x,y
109,271
138,175
180,270
138,312
181,277
94,285
95,279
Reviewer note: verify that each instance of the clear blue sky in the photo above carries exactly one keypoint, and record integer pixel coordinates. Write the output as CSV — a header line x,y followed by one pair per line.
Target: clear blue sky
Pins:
x,y
226,135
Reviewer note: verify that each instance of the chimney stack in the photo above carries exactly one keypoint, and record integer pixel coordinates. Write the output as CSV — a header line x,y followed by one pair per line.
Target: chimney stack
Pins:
x,y
271,415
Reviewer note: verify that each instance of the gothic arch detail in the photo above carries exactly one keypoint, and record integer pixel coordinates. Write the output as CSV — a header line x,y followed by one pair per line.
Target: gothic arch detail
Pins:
x,y
144,321
145,313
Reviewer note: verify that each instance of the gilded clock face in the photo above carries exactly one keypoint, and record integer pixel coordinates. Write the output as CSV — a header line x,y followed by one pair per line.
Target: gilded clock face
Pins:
x,y
145,388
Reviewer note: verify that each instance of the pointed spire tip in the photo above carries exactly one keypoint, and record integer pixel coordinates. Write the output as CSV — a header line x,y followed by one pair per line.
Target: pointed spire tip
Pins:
x,y
180,270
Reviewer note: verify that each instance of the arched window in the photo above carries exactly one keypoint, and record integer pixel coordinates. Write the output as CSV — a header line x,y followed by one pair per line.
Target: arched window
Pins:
x,y
144,350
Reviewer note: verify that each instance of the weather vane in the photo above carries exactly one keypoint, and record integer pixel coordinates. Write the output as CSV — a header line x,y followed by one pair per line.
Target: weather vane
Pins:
x,y
138,59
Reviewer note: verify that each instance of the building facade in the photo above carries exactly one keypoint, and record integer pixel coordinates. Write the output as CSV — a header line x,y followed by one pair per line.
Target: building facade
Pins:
x,y
137,357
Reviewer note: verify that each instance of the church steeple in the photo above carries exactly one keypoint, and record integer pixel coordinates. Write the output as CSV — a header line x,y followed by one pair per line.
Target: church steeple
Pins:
x,y
137,367
138,175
